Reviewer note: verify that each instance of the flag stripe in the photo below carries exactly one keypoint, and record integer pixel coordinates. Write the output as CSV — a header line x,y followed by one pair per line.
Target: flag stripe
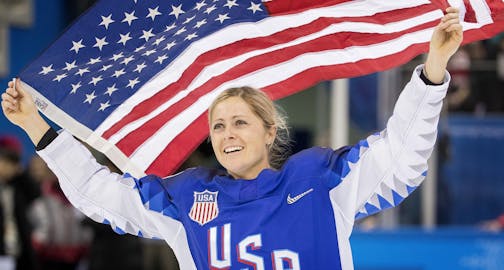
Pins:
x,y
260,43
134,139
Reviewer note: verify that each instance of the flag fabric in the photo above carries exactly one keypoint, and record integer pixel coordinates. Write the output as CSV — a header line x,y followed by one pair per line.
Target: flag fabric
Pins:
x,y
134,78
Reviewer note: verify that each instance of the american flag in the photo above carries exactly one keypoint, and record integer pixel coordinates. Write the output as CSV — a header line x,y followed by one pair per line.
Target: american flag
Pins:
x,y
134,78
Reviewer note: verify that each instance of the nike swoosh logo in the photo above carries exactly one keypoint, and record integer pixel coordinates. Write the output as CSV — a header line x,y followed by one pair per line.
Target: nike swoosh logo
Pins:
x,y
291,200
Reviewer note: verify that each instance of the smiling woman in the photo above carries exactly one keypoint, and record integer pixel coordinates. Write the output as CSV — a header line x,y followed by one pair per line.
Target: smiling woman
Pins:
x,y
260,212
245,126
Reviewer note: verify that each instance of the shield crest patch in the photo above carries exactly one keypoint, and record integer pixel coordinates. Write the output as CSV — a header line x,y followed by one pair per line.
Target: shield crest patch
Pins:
x,y
204,208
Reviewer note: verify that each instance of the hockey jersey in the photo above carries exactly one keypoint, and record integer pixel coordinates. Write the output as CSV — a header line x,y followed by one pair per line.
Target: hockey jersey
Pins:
x,y
298,217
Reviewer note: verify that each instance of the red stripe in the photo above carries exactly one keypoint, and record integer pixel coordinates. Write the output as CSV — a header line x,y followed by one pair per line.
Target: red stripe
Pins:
x,y
199,212
247,45
179,149
470,15
277,7
336,41
207,212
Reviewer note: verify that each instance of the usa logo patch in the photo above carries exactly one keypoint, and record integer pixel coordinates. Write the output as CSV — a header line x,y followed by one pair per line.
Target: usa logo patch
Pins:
x,y
204,208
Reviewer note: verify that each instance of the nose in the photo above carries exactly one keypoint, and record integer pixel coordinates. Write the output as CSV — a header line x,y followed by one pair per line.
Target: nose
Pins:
x,y
229,133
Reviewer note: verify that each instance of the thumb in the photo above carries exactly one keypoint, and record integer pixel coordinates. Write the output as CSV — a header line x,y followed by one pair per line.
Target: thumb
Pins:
x,y
19,88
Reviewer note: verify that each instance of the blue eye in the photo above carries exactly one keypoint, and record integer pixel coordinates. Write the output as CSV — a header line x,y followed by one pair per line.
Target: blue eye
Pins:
x,y
218,126
240,122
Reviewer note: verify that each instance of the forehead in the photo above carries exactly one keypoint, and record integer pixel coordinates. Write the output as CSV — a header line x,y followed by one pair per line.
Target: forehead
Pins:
x,y
231,107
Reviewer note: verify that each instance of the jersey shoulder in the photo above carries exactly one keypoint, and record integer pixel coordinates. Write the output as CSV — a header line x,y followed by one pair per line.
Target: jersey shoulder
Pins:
x,y
310,161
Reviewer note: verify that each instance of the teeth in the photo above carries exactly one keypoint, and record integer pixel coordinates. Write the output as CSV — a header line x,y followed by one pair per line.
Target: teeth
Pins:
x,y
232,149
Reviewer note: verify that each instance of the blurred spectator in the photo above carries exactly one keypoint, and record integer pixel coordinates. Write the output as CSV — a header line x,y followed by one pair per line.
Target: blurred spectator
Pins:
x,y
17,191
459,67
500,73
59,239
494,224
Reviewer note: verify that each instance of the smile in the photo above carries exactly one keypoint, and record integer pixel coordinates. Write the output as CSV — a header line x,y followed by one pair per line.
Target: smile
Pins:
x,y
233,149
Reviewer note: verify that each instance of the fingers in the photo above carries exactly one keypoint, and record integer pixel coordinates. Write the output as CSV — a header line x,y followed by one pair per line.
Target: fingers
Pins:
x,y
10,97
8,102
451,20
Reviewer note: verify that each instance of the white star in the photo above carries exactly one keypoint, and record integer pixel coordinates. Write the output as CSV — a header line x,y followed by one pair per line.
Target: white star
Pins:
x,y
169,27
115,57
46,70
105,67
111,90
180,31
127,60
82,71
60,77
188,20
153,13
106,21
140,67
139,48
94,61
70,66
149,52
147,34
191,36
124,38
176,11
95,80
231,3
254,7
222,18
118,73
129,17
199,5
210,9
90,97
161,58
75,87
132,83
169,45
105,105
200,23
100,42
159,40
77,46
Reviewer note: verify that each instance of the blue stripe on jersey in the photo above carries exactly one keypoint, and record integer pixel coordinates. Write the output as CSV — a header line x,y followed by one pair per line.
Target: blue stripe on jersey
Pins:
x,y
154,195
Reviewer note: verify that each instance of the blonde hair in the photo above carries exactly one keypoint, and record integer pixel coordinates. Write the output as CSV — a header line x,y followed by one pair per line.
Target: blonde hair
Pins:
x,y
262,106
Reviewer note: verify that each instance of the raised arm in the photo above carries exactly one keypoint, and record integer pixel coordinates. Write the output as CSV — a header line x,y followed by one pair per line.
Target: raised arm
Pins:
x,y
445,41
387,166
136,206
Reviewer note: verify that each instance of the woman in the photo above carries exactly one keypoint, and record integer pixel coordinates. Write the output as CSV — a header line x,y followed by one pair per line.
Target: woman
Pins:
x,y
252,214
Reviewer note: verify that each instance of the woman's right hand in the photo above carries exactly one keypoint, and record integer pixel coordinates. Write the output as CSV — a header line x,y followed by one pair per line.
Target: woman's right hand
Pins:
x,y
18,105
19,108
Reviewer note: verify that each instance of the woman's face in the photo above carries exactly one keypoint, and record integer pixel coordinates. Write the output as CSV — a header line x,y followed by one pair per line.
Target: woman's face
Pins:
x,y
239,138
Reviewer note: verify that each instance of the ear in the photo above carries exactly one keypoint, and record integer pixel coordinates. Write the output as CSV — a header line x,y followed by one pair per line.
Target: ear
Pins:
x,y
271,135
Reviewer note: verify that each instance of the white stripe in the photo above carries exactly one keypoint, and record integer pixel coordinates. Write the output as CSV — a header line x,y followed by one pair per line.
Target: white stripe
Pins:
x,y
154,145
483,13
230,34
225,65
77,129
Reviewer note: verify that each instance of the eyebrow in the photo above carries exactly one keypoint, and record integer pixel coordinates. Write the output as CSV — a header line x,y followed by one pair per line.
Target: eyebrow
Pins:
x,y
234,117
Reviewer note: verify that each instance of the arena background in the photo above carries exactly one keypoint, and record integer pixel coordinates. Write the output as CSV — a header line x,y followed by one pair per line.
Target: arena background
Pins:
x,y
441,226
